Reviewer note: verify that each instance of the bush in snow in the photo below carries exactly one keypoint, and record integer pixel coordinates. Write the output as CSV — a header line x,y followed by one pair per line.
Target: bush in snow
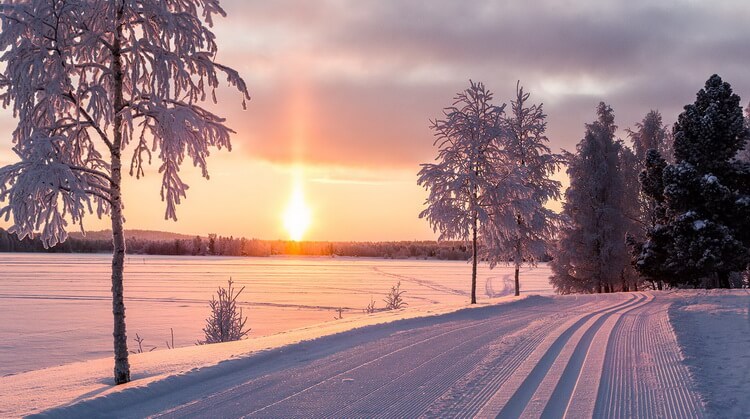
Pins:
x,y
394,300
139,340
225,324
370,307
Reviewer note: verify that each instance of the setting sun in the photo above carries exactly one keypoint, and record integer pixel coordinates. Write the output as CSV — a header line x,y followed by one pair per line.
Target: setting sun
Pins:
x,y
297,216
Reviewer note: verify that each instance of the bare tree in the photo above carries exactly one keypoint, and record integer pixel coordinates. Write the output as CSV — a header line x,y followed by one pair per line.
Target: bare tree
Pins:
x,y
88,80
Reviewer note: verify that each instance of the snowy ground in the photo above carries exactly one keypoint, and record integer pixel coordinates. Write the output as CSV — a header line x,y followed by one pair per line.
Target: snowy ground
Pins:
x,y
56,308
662,354
611,355
713,328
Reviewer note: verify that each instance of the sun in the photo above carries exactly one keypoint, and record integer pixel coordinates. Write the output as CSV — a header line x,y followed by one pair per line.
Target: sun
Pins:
x,y
297,216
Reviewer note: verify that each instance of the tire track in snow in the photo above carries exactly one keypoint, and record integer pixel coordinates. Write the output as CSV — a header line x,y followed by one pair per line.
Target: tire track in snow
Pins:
x,y
467,396
572,395
643,374
264,411
292,385
433,285
513,396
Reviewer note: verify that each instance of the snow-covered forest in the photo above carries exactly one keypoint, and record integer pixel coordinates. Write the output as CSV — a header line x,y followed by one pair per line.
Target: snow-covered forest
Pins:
x,y
668,209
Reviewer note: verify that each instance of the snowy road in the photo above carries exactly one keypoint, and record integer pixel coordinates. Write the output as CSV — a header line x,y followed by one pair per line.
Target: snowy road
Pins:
x,y
610,355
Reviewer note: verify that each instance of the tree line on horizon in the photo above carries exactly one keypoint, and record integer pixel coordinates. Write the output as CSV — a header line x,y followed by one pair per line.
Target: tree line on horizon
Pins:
x,y
215,245
670,211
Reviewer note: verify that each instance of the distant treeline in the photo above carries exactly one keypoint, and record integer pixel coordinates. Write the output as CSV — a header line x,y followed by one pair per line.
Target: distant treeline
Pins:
x,y
229,246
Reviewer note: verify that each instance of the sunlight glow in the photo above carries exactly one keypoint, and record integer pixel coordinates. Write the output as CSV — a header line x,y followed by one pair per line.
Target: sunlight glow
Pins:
x,y
297,216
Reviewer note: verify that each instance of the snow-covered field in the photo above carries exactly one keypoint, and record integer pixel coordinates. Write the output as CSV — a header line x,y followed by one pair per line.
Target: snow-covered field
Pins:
x,y
614,355
645,354
56,308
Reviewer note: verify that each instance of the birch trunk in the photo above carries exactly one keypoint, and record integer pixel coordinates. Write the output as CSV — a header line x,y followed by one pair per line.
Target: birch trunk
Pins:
x,y
122,366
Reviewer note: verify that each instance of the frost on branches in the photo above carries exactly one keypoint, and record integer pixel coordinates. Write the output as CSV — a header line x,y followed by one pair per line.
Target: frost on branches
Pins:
x,y
705,236
90,80
524,238
590,255
474,178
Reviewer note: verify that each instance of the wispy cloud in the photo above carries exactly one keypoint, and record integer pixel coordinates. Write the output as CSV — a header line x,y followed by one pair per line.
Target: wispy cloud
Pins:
x,y
374,72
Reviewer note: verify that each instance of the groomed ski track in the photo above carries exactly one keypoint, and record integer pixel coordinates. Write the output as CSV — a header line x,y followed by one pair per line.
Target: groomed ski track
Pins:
x,y
612,355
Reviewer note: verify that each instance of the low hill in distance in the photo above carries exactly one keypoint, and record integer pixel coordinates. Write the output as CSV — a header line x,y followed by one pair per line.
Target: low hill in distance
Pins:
x,y
132,234
164,243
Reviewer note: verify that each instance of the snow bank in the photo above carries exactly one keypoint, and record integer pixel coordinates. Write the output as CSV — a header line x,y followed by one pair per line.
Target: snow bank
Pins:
x,y
713,330
165,371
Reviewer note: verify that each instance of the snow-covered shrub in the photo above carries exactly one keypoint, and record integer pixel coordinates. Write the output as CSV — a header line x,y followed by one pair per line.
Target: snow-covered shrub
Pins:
x,y
225,324
394,300
370,307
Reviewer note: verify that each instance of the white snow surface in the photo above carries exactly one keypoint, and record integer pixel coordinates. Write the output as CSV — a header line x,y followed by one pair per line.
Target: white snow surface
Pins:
x,y
644,354
713,329
612,355
57,309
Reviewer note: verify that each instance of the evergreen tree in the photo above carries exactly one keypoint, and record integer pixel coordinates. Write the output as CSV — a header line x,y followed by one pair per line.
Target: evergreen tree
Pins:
x,y
650,134
535,225
650,255
590,253
706,190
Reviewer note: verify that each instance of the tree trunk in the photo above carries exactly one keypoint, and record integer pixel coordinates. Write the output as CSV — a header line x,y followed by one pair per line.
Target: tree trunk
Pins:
x,y
122,366
723,278
518,284
474,263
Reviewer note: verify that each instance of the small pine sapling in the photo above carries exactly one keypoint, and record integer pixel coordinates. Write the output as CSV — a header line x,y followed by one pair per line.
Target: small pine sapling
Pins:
x,y
225,324
394,300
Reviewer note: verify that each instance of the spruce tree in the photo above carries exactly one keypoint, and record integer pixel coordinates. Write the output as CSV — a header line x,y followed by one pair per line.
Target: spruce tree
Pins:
x,y
706,190
590,255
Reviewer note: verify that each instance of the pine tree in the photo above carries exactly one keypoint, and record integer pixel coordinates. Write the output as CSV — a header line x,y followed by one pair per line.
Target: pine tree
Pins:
x,y
590,254
650,134
525,241
650,254
706,190
474,178
87,79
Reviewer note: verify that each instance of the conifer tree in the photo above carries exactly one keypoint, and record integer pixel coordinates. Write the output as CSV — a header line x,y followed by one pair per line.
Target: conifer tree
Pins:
x,y
590,253
706,190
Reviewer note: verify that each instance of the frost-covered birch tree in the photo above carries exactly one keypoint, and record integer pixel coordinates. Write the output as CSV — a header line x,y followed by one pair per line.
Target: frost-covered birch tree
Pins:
x,y
473,175
92,80
525,237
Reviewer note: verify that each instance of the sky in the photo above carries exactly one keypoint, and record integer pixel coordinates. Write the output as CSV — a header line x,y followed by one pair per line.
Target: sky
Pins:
x,y
343,92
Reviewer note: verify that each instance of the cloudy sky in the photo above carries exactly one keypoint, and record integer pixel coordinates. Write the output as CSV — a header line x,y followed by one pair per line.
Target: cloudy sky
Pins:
x,y
343,91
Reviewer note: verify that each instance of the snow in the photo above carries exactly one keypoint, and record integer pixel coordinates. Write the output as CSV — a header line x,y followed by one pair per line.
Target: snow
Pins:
x,y
645,354
699,224
58,307
35,391
713,329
